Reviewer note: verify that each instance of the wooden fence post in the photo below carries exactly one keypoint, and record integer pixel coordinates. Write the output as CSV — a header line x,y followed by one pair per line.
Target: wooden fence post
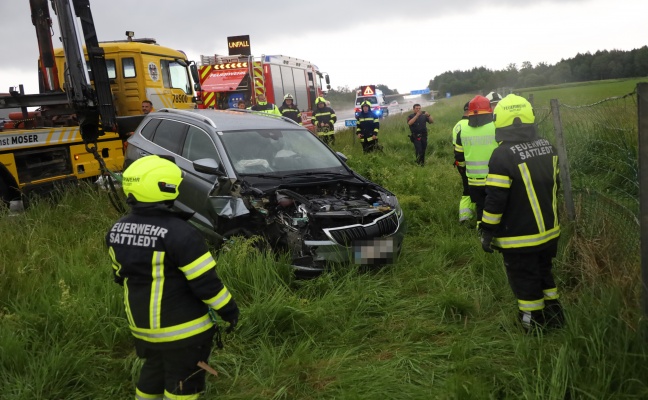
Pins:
x,y
642,113
563,162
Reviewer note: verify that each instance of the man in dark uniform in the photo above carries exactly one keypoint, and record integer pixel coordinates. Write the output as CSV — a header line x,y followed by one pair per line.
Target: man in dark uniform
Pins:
x,y
324,119
520,216
290,110
418,127
171,289
367,126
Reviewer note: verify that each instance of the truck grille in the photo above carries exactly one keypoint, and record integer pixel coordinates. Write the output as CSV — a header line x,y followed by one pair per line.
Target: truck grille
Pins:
x,y
383,226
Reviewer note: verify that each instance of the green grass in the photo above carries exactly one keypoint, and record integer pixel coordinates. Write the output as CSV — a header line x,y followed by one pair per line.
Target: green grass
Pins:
x,y
579,93
438,324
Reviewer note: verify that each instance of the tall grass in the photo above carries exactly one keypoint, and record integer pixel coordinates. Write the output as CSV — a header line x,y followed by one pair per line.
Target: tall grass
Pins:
x,y
438,324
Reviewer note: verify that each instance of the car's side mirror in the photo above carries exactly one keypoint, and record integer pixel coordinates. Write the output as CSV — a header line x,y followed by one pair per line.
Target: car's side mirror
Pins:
x,y
342,156
207,166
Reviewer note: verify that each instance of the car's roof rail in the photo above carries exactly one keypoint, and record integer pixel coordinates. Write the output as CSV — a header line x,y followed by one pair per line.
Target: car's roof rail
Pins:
x,y
263,114
188,114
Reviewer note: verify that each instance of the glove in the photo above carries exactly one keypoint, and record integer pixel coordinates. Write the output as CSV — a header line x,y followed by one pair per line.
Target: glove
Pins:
x,y
230,314
486,237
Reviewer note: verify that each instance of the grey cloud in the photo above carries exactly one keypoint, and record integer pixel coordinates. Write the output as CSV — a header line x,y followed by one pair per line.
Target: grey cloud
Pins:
x,y
202,26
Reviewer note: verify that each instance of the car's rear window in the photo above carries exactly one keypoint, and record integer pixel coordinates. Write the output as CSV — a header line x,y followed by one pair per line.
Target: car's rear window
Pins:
x,y
170,135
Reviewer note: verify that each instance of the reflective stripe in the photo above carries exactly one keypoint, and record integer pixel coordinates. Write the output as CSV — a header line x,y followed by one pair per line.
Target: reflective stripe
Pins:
x,y
555,190
157,286
476,171
220,300
173,333
477,181
115,265
129,314
169,396
533,305
476,162
325,133
466,208
502,181
533,198
458,148
490,218
461,164
551,294
199,266
139,395
527,240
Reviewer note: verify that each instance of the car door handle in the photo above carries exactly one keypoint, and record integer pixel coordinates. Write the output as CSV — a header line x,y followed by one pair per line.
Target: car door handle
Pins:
x,y
143,153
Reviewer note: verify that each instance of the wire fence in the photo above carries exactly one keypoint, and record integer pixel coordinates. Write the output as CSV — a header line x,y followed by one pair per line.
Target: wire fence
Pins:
x,y
600,142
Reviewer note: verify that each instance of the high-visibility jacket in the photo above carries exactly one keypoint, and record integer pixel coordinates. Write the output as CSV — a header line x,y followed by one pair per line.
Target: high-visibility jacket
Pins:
x,y
521,196
459,126
324,115
473,148
169,278
367,125
291,112
268,108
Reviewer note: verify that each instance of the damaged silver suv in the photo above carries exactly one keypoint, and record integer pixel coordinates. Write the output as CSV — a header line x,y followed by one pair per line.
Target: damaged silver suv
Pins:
x,y
251,174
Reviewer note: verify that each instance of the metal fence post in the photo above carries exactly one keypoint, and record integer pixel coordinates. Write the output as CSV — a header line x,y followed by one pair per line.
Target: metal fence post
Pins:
x,y
642,112
565,177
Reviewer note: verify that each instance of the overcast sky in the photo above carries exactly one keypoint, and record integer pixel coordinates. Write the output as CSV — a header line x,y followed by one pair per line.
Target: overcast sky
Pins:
x,y
402,44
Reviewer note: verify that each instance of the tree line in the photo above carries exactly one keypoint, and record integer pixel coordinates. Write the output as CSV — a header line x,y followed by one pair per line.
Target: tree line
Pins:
x,y
603,64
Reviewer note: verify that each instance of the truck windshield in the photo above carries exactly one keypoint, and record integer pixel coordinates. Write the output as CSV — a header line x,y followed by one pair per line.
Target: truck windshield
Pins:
x,y
370,99
175,76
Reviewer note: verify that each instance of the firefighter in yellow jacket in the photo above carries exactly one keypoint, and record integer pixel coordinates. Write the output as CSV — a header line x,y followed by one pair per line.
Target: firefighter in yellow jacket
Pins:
x,y
473,147
520,212
466,205
171,289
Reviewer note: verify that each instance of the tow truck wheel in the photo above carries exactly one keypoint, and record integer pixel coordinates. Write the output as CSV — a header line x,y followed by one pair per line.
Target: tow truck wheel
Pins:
x,y
5,196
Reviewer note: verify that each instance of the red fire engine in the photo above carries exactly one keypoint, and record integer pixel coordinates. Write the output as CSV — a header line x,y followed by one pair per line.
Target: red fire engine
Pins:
x,y
225,80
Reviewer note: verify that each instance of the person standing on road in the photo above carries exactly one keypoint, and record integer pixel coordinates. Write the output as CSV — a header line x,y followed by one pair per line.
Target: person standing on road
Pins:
x,y
367,126
520,213
417,122
324,120
262,105
466,206
290,110
473,148
171,289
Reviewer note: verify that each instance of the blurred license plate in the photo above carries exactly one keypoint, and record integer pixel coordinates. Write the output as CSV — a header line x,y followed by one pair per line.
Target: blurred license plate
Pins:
x,y
373,251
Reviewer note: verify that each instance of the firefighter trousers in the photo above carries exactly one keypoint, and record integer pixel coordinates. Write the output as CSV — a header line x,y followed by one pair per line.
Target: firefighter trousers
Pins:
x,y
478,196
466,205
172,374
532,282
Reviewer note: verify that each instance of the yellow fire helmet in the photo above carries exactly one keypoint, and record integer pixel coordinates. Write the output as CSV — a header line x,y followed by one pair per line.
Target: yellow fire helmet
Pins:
x,y
152,179
320,100
511,110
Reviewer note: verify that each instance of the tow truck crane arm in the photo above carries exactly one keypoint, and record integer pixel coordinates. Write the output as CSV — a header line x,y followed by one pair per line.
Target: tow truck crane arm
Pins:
x,y
93,105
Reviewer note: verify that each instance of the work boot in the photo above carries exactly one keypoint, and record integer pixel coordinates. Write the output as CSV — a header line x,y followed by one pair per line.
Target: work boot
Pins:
x,y
553,314
532,320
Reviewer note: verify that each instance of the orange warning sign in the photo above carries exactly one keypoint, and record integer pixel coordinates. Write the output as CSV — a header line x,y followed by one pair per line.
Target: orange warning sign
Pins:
x,y
368,90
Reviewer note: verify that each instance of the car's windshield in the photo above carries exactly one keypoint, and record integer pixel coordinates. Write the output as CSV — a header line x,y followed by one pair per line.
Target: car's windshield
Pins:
x,y
370,99
282,151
